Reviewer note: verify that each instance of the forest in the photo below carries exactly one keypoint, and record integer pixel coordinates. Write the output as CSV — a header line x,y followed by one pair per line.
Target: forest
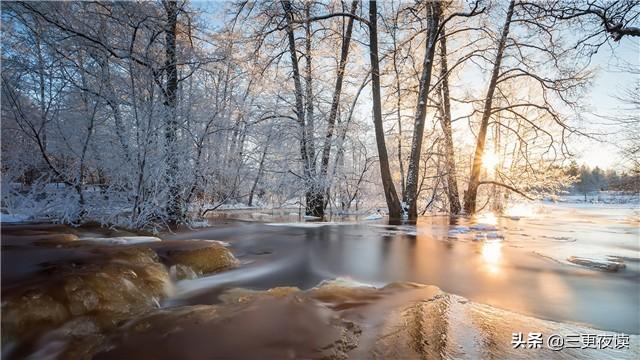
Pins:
x,y
147,114
320,179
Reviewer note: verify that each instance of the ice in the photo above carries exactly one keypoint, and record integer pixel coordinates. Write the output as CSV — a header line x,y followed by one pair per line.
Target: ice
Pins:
x,y
460,229
307,224
299,224
483,227
223,243
124,240
348,282
456,231
610,264
373,217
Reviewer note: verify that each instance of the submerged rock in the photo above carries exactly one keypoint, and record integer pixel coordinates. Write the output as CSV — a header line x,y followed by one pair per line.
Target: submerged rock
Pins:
x,y
201,256
182,272
111,285
28,311
398,321
238,295
268,327
39,238
128,285
62,294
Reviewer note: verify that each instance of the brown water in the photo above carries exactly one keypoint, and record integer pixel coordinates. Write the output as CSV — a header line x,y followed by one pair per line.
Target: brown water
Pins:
x,y
65,297
522,266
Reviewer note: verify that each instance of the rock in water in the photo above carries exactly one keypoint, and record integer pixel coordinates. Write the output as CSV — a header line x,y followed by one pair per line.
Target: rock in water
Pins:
x,y
399,321
110,284
267,327
202,256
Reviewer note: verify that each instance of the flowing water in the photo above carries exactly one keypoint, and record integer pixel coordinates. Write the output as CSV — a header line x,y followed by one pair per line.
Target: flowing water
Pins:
x,y
331,290
517,262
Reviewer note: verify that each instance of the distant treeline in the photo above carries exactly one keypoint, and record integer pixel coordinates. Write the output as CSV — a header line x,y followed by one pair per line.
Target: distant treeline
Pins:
x,y
589,179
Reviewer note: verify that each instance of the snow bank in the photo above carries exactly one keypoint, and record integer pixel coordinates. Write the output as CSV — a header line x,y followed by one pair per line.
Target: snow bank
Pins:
x,y
374,217
124,240
13,218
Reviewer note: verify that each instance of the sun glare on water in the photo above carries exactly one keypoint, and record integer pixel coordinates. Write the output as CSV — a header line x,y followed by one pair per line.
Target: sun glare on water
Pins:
x,y
492,256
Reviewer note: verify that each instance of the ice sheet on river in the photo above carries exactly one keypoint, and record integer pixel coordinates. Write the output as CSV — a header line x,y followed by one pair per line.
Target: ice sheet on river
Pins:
x,y
123,240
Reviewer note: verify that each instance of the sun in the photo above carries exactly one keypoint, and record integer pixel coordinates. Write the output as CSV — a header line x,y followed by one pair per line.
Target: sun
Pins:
x,y
490,160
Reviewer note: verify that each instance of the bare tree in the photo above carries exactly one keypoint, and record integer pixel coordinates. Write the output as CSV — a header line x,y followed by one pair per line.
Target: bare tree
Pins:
x,y
393,202
445,122
474,177
411,193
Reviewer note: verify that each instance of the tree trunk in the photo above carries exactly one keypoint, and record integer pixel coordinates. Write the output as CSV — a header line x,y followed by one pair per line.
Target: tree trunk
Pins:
x,y
445,122
398,113
263,156
411,192
315,190
335,103
474,178
393,203
175,209
300,108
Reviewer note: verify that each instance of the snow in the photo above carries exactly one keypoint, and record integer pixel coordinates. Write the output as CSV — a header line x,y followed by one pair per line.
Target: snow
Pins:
x,y
308,224
223,243
199,224
601,197
373,217
124,240
13,218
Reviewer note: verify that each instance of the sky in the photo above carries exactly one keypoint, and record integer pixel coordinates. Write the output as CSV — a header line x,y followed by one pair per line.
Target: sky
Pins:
x,y
609,82
601,100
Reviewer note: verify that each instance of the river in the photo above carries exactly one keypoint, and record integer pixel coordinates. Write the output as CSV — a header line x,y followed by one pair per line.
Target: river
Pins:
x,y
521,266
348,288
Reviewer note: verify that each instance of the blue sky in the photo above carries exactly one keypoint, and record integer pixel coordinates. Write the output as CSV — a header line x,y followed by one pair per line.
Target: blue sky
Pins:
x,y
602,103
609,82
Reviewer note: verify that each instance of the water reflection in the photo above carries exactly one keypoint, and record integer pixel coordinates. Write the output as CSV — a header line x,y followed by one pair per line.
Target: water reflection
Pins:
x,y
506,266
488,218
492,256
